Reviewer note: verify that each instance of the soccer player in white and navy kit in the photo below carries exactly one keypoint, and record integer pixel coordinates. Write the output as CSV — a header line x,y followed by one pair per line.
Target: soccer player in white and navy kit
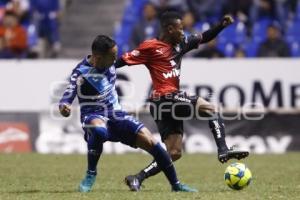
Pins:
x,y
93,82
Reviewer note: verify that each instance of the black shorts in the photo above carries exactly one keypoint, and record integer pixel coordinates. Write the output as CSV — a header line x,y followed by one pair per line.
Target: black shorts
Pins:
x,y
169,112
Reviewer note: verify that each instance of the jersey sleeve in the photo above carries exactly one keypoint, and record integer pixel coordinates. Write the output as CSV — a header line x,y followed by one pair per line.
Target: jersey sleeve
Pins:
x,y
192,42
138,56
71,90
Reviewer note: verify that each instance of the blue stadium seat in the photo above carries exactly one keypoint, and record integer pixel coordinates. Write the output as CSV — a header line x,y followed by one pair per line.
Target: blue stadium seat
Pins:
x,y
235,33
295,49
293,32
259,29
32,36
227,48
202,26
132,13
129,16
251,48
122,35
231,37
298,12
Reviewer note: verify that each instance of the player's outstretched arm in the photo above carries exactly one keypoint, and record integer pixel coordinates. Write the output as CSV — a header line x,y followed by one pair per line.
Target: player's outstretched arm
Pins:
x,y
69,95
138,56
213,32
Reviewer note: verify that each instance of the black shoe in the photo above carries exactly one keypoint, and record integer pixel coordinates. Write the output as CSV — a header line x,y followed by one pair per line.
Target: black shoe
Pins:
x,y
133,183
228,154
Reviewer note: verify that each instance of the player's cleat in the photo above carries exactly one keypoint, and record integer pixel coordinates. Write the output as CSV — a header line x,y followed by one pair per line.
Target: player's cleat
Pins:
x,y
133,183
183,188
228,154
87,183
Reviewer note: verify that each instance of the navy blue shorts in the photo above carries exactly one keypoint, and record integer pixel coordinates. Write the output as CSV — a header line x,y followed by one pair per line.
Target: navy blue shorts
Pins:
x,y
122,129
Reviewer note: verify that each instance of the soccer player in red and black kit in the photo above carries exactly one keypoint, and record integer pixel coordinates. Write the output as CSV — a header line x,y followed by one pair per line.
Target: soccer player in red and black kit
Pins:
x,y
163,58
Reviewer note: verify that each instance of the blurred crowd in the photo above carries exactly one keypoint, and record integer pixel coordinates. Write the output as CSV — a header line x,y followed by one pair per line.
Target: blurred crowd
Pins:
x,y
30,28
262,28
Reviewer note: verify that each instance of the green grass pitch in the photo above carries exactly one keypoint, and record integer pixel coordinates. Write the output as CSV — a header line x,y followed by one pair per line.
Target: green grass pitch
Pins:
x,y
34,176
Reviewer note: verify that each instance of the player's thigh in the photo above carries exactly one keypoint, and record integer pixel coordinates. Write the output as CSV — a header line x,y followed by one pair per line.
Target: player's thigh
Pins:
x,y
184,106
176,107
94,120
125,130
169,126
145,140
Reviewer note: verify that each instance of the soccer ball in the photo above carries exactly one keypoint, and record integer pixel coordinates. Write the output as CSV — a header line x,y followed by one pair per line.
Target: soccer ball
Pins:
x,y
237,176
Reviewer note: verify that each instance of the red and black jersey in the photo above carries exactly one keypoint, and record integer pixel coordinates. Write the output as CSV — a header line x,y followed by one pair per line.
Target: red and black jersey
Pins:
x,y
163,61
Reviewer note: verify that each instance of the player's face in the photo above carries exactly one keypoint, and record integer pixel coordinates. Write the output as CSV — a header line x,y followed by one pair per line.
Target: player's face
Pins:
x,y
108,59
176,32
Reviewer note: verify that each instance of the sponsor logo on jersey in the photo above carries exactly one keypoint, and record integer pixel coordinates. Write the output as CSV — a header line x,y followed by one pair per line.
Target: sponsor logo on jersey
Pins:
x,y
173,63
173,73
159,51
135,53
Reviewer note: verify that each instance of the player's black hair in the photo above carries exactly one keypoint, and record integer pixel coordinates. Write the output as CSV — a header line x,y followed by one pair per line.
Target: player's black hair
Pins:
x,y
102,44
169,18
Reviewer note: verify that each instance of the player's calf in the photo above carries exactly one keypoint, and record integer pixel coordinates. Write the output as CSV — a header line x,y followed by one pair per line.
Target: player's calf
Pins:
x,y
160,155
95,136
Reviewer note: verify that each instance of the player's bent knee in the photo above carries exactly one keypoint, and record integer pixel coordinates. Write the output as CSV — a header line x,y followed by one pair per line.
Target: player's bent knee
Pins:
x,y
212,108
145,140
205,106
99,133
175,155
207,110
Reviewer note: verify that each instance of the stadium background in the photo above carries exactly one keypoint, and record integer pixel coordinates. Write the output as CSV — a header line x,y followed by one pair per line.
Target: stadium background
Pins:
x,y
251,75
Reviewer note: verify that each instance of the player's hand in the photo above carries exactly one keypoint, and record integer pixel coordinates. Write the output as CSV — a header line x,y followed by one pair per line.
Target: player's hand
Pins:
x,y
65,109
227,20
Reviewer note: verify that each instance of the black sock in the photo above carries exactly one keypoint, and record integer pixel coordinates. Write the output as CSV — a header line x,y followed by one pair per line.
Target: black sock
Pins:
x,y
151,170
164,162
217,127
